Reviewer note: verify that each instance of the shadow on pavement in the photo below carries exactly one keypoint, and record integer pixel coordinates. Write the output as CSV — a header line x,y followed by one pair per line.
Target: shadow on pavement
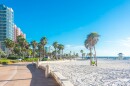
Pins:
x,y
38,77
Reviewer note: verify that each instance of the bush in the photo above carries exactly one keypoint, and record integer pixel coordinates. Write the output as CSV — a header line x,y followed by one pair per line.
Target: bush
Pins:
x,y
30,59
13,58
93,62
44,59
13,61
4,61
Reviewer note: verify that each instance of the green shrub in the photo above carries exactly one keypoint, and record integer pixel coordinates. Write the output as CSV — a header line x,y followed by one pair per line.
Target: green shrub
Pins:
x,y
13,58
30,59
4,61
44,59
93,62
13,61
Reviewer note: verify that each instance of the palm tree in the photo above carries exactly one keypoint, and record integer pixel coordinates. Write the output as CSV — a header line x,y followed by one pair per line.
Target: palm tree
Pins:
x,y
19,38
40,47
17,50
82,53
70,53
60,47
2,53
9,44
90,43
77,55
23,44
43,41
55,45
29,52
34,45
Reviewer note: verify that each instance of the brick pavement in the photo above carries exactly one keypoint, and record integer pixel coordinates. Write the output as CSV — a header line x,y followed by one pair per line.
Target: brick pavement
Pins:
x,y
26,75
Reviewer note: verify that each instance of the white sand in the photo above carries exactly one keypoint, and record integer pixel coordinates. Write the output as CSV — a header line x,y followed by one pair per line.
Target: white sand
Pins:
x,y
108,73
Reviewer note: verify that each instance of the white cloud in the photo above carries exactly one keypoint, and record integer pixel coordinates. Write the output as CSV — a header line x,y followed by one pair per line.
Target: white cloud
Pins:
x,y
125,42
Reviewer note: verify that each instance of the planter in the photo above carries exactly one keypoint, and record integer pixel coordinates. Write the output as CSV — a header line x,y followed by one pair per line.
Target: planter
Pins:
x,y
4,63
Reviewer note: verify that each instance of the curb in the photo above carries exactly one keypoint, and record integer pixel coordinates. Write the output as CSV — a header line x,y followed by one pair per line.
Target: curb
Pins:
x,y
60,79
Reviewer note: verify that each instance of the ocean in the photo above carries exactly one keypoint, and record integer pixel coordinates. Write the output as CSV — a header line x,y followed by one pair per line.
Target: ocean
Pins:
x,y
110,57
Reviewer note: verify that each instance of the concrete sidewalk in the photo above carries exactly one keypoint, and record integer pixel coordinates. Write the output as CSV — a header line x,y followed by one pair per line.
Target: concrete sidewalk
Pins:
x,y
26,75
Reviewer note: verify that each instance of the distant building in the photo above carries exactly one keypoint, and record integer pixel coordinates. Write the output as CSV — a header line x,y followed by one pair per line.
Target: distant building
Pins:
x,y
15,32
18,32
6,24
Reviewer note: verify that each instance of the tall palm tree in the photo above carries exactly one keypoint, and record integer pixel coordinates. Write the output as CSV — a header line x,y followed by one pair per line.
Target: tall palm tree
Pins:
x,y
40,47
55,45
70,53
90,43
82,53
29,52
43,41
60,47
2,53
19,38
34,45
23,44
17,50
9,44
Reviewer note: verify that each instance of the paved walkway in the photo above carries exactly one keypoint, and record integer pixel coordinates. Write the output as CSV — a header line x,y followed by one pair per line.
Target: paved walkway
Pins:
x,y
24,74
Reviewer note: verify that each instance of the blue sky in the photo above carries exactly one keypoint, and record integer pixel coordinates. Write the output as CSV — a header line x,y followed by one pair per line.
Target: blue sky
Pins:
x,y
70,21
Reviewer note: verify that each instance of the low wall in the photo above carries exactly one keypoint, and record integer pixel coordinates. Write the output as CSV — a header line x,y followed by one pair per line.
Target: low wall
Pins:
x,y
60,79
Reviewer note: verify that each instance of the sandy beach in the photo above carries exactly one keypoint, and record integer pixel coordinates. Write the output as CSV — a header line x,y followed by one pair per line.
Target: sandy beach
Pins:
x,y
107,73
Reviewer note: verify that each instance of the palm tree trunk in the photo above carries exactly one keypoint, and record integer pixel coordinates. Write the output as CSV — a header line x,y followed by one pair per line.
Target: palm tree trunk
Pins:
x,y
90,56
62,53
34,53
91,51
9,51
56,54
40,55
82,55
43,52
95,56
23,54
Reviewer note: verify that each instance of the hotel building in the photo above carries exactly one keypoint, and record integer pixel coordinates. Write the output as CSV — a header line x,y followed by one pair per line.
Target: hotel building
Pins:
x,y
7,27
17,32
6,24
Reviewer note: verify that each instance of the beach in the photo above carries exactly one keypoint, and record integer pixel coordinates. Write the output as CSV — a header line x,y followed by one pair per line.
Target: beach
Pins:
x,y
107,73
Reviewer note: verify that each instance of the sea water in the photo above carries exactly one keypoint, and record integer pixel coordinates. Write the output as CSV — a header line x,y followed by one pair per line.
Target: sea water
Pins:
x,y
110,58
